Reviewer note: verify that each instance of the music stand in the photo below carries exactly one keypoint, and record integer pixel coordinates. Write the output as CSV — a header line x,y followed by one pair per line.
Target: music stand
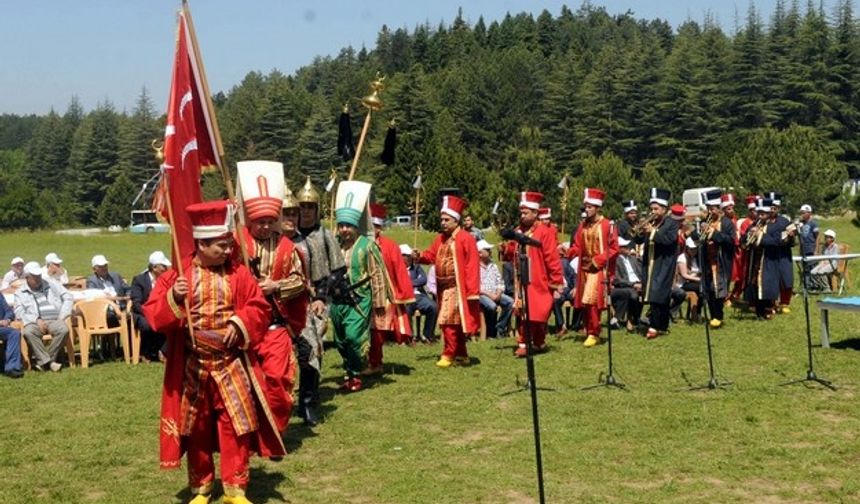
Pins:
x,y
713,383
523,262
810,372
609,380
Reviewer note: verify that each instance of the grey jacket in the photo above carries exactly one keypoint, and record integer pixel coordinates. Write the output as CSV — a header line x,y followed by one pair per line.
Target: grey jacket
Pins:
x,y
27,310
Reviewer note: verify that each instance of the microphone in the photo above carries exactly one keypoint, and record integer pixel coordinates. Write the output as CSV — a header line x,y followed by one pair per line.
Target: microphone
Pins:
x,y
522,239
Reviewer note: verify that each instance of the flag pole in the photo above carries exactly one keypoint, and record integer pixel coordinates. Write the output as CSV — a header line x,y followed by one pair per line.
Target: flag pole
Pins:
x,y
371,102
331,182
216,132
564,196
417,207
165,179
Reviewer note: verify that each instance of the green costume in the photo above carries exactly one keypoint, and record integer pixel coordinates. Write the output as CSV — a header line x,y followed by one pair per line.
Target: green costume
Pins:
x,y
352,322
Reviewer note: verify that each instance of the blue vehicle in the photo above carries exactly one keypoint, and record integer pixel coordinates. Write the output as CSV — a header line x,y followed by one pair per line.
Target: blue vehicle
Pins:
x,y
145,221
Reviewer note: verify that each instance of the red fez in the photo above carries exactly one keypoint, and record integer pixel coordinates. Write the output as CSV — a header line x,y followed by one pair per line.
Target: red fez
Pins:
x,y
378,213
677,211
727,199
594,196
531,199
210,219
453,206
544,213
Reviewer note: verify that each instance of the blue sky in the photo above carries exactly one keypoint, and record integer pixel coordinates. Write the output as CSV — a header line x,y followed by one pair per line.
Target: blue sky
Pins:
x,y
109,49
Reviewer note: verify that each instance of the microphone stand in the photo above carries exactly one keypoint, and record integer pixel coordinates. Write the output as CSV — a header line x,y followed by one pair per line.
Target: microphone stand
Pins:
x,y
524,275
713,383
609,380
810,372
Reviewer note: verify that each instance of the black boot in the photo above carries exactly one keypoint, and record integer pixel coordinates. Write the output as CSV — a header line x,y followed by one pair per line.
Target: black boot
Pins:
x,y
308,384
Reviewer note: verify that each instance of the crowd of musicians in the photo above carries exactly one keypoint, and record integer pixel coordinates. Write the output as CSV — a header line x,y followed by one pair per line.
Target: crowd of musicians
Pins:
x,y
246,316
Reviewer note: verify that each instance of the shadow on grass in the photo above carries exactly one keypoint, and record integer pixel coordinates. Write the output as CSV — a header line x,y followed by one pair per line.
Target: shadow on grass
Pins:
x,y
847,344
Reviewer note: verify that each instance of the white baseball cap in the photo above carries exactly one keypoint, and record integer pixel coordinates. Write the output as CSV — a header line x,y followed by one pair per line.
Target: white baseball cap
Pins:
x,y
33,268
405,249
831,233
158,257
99,260
806,208
690,243
53,258
484,245
17,260
623,242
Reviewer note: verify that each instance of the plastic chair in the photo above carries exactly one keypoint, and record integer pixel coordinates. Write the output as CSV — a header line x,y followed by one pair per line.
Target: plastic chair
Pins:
x,y
840,276
92,320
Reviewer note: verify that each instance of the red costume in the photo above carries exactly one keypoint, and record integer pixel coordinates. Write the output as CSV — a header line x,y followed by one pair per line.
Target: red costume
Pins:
x,y
398,287
210,388
458,283
741,260
545,275
279,260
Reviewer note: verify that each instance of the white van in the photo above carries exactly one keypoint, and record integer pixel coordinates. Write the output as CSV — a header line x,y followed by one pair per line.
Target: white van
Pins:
x,y
694,201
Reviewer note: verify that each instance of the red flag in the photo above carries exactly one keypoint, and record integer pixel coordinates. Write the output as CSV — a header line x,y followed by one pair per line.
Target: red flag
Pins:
x,y
190,139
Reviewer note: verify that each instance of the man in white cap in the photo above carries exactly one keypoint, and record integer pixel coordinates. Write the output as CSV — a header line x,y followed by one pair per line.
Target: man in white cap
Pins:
x,y
819,273
423,302
43,307
626,286
152,343
14,278
54,270
493,293
102,279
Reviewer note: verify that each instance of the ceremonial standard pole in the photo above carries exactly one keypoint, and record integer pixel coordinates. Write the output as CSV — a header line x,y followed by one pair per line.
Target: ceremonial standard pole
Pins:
x,y
371,102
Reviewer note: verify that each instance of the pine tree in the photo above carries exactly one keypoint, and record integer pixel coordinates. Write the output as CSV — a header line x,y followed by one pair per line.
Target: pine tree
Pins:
x,y
93,158
116,206
48,152
844,64
136,134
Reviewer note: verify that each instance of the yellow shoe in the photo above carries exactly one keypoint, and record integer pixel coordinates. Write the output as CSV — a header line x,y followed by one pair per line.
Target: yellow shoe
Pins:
x,y
716,323
200,499
785,310
444,362
236,499
591,341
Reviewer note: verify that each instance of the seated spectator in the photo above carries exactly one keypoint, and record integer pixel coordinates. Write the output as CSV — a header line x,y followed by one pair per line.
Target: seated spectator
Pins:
x,y
152,343
13,278
558,304
820,273
493,294
626,286
687,276
43,307
53,269
430,287
423,302
111,283
11,339
102,279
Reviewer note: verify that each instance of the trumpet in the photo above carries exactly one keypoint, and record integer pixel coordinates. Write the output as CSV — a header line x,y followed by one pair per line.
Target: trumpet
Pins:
x,y
712,225
645,224
790,231
754,234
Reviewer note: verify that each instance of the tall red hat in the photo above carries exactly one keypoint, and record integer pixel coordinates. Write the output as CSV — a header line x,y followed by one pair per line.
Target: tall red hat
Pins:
x,y
453,206
531,199
593,196
545,213
378,212
751,200
726,200
210,219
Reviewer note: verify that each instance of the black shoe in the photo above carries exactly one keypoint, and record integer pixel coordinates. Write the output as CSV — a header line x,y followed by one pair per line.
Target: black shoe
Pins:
x,y
14,373
38,368
310,416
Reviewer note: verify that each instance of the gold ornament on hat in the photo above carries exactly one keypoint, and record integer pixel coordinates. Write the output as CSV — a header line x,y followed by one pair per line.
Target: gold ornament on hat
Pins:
x,y
309,194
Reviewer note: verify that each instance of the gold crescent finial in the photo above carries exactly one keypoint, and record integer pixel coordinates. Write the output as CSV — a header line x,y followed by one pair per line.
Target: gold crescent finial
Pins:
x,y
159,150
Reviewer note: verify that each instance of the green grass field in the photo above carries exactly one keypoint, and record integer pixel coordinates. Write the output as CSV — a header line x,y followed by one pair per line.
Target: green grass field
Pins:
x,y
424,435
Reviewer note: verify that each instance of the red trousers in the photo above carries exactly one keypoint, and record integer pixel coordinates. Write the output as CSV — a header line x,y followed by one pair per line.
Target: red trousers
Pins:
x,y
591,319
377,340
279,366
213,430
455,341
537,330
